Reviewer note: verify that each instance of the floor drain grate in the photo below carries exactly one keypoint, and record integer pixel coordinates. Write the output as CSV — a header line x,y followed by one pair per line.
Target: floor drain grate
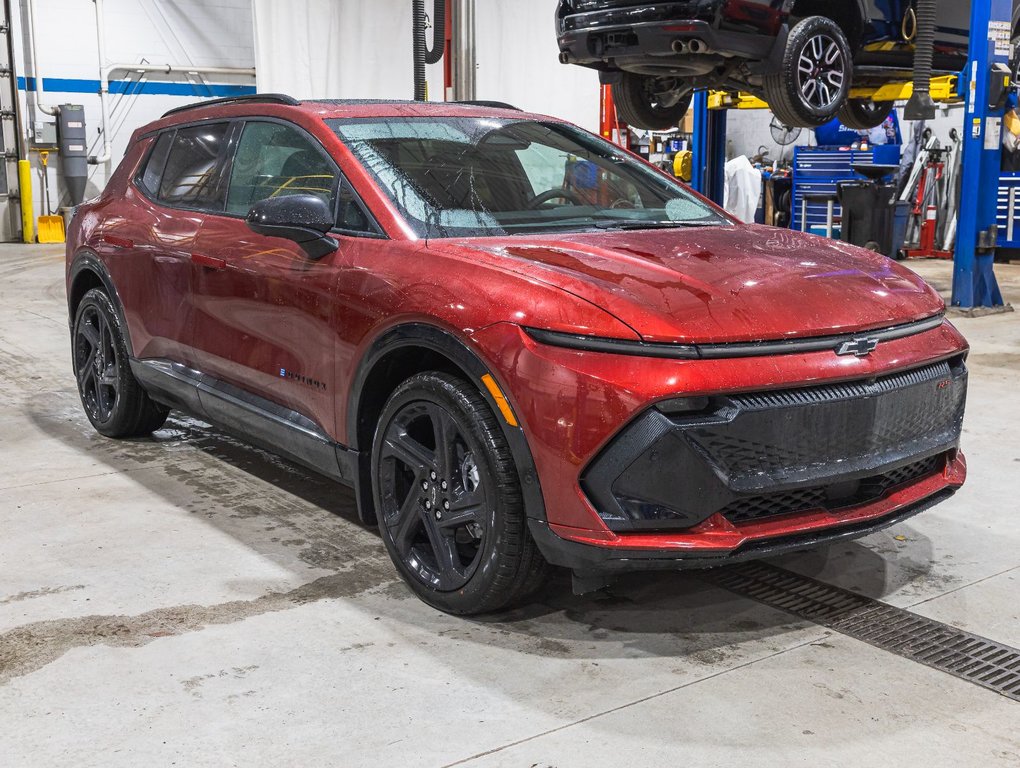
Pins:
x,y
981,661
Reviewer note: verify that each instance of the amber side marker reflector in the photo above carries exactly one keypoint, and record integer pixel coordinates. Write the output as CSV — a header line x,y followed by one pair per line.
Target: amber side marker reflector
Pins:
x,y
501,403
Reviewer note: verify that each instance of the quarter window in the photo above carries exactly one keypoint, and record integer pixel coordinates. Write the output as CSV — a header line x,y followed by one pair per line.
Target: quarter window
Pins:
x,y
192,169
274,160
157,161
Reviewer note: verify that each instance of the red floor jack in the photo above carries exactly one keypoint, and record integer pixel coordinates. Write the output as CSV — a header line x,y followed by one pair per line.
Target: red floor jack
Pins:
x,y
926,205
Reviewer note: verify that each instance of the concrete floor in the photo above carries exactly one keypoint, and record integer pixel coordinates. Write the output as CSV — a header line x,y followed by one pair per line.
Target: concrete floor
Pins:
x,y
188,600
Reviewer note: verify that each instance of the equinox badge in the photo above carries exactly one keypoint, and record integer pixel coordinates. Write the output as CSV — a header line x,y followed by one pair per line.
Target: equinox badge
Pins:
x,y
860,347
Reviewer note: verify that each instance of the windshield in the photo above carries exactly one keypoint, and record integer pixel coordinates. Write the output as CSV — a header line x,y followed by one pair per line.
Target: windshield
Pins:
x,y
457,177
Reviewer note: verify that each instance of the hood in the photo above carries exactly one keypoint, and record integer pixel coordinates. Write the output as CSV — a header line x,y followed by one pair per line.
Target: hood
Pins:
x,y
723,284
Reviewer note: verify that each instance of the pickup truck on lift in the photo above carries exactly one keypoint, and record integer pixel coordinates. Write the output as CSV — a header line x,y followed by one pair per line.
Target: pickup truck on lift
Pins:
x,y
801,56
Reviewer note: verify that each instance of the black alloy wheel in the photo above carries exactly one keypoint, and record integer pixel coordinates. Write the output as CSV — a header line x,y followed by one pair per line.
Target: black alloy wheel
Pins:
x,y
96,364
113,399
435,501
814,77
448,498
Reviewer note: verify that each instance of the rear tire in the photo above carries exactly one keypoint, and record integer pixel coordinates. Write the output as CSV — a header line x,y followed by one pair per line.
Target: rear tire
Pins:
x,y
651,103
448,498
864,114
813,80
113,399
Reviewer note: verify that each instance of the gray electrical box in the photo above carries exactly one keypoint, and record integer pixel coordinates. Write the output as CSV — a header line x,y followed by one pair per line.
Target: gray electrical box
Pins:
x,y
73,150
44,135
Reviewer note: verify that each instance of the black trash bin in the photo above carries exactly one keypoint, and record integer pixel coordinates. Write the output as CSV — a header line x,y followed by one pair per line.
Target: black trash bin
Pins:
x,y
869,207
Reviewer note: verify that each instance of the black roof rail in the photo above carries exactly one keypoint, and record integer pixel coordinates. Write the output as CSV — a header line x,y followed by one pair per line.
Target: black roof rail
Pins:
x,y
492,104
255,98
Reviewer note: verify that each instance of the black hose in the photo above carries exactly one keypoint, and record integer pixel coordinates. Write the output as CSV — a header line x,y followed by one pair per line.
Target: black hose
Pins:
x,y
920,106
418,48
435,55
422,54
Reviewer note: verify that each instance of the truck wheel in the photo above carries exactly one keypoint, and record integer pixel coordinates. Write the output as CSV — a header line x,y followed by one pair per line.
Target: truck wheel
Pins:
x,y
813,80
864,114
651,103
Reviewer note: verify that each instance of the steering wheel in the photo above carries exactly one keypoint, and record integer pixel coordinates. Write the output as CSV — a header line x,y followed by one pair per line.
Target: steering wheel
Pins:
x,y
555,194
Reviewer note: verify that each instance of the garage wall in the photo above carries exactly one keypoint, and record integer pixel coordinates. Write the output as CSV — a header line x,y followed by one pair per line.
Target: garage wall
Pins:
x,y
357,49
518,63
195,32
348,49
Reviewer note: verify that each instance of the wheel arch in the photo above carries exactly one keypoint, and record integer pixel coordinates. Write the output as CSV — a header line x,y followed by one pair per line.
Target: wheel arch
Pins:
x,y
86,272
395,356
850,17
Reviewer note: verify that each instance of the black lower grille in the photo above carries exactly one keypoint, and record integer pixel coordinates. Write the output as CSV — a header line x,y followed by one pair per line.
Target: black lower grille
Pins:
x,y
759,507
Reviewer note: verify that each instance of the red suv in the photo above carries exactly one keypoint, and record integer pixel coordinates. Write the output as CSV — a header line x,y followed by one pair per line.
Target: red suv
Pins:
x,y
520,344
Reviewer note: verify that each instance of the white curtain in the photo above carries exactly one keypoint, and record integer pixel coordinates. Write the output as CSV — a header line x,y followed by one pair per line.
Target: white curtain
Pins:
x,y
362,49
518,62
345,49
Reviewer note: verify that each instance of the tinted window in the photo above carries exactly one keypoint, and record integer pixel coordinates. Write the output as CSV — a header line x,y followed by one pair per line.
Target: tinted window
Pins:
x,y
273,160
452,177
157,160
191,173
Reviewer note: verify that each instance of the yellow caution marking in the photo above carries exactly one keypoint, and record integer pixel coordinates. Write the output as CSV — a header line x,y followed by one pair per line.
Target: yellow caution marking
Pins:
x,y
500,398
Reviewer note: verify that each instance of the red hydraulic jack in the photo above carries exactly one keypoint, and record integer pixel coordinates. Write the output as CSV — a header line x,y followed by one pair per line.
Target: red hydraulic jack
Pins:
x,y
926,248
926,204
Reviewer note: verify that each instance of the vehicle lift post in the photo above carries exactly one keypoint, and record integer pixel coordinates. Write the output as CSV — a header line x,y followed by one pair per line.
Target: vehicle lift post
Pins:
x,y
983,87
708,172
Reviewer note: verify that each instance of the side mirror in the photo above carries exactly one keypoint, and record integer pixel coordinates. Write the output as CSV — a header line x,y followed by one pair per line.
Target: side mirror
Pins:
x,y
305,219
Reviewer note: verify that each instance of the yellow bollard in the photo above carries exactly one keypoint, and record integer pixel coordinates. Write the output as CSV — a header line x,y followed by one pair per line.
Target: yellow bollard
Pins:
x,y
27,213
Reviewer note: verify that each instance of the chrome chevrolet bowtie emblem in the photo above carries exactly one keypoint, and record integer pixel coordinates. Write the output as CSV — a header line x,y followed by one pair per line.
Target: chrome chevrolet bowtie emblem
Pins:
x,y
859,347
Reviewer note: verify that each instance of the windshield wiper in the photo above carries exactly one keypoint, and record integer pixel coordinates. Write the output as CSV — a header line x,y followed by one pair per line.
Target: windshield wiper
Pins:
x,y
633,224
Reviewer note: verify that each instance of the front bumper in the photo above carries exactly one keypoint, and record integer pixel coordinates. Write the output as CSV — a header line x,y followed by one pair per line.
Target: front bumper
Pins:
x,y
574,407
596,558
758,456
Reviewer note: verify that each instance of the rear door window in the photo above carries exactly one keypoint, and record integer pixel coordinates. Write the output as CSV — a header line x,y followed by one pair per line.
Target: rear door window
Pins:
x,y
191,176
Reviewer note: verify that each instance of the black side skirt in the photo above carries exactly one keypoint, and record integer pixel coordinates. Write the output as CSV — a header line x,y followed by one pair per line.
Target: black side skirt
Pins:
x,y
252,418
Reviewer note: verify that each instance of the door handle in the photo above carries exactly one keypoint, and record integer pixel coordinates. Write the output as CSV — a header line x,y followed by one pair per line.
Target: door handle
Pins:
x,y
208,261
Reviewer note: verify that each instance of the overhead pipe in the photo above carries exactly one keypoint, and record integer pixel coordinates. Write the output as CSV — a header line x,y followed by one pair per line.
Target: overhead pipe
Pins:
x,y
44,108
106,70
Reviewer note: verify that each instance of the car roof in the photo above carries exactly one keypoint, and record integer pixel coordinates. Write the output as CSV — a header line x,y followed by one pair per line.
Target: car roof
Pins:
x,y
280,105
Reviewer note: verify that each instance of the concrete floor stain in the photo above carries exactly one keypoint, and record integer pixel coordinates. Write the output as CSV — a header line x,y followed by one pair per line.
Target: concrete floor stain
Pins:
x,y
25,649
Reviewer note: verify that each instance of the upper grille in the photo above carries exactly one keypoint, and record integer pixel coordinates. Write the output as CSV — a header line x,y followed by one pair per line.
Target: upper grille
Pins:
x,y
845,391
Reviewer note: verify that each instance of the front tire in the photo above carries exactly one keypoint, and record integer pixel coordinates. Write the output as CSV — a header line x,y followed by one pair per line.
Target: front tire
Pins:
x,y
651,103
449,499
813,80
113,399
